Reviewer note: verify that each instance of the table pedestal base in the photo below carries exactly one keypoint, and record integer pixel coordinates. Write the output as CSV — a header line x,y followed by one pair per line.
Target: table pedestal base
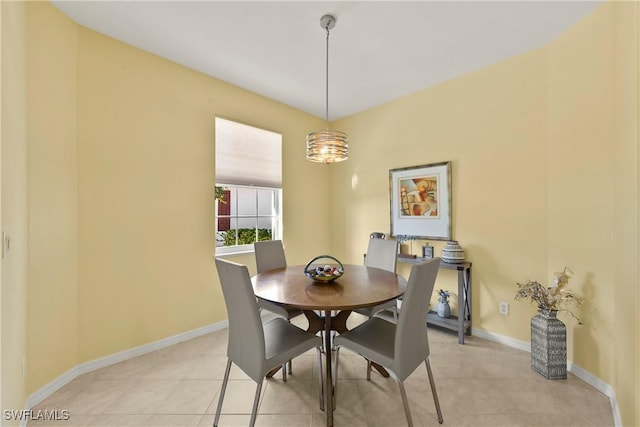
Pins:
x,y
329,323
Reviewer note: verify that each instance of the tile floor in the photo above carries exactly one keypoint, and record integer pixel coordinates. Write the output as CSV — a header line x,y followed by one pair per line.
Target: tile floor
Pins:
x,y
481,383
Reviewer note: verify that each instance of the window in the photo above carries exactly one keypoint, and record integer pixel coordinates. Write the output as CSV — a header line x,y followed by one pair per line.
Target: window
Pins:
x,y
247,214
248,186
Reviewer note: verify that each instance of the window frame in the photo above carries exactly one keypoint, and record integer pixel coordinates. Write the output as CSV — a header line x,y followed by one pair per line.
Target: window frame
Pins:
x,y
276,232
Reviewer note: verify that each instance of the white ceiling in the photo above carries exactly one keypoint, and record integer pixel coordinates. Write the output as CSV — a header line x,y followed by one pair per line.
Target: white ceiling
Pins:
x,y
378,51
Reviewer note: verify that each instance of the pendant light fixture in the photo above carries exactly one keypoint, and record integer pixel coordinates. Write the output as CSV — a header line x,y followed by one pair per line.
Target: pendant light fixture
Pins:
x,y
327,146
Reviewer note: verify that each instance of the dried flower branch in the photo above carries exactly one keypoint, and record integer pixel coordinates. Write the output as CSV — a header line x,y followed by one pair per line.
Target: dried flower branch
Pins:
x,y
555,297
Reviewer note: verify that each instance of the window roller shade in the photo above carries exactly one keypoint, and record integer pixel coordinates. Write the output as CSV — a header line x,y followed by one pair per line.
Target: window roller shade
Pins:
x,y
246,155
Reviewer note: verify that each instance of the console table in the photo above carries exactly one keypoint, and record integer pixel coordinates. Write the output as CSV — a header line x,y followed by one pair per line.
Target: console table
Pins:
x,y
461,322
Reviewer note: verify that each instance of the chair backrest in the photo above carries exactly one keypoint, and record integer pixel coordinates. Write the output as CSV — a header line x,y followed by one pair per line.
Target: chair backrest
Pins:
x,y
383,254
246,346
269,255
411,342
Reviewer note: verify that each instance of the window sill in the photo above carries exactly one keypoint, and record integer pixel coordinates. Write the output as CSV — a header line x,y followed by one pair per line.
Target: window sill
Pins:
x,y
234,251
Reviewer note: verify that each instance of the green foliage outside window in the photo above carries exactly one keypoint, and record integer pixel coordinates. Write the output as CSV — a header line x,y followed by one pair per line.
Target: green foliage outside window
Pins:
x,y
246,236
220,194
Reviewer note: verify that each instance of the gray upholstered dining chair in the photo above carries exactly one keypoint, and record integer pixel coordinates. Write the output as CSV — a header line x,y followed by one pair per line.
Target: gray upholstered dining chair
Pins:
x,y
383,254
400,347
254,347
269,256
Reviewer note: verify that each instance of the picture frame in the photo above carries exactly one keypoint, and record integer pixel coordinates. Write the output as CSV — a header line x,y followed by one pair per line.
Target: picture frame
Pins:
x,y
420,201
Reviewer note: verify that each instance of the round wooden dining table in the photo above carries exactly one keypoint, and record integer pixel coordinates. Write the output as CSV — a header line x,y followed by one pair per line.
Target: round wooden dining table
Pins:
x,y
358,287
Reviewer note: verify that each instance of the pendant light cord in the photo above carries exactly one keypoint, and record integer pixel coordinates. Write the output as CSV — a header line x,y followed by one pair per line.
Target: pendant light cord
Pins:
x,y
327,146
327,81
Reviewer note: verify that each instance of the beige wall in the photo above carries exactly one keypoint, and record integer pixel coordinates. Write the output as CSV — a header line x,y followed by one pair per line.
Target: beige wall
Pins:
x,y
491,125
544,152
580,180
14,217
120,196
52,316
626,122
145,193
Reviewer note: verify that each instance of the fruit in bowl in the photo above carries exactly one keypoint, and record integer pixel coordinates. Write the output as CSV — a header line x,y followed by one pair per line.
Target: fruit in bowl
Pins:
x,y
324,273
327,271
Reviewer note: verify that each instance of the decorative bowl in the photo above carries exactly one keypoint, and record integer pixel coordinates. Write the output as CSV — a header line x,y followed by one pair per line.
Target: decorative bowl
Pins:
x,y
324,272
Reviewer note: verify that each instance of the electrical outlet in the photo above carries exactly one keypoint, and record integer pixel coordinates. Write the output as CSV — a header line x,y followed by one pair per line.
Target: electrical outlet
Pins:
x,y
504,307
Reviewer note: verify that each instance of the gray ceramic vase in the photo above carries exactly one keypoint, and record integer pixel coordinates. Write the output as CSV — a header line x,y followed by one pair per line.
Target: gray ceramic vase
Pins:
x,y
452,253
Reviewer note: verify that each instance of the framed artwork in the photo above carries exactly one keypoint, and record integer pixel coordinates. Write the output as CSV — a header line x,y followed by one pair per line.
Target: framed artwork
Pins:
x,y
421,201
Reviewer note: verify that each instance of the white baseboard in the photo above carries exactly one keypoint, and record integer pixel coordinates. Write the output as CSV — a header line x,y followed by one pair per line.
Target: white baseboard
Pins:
x,y
502,339
111,359
599,385
576,370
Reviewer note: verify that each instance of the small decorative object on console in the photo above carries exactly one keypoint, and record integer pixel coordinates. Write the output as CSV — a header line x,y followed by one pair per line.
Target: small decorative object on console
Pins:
x,y
401,238
443,309
323,272
452,253
427,251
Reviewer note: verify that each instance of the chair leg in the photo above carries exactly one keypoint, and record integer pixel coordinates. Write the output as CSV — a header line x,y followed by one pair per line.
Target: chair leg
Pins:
x,y
222,391
433,390
320,380
405,403
336,361
284,372
369,361
290,364
256,400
